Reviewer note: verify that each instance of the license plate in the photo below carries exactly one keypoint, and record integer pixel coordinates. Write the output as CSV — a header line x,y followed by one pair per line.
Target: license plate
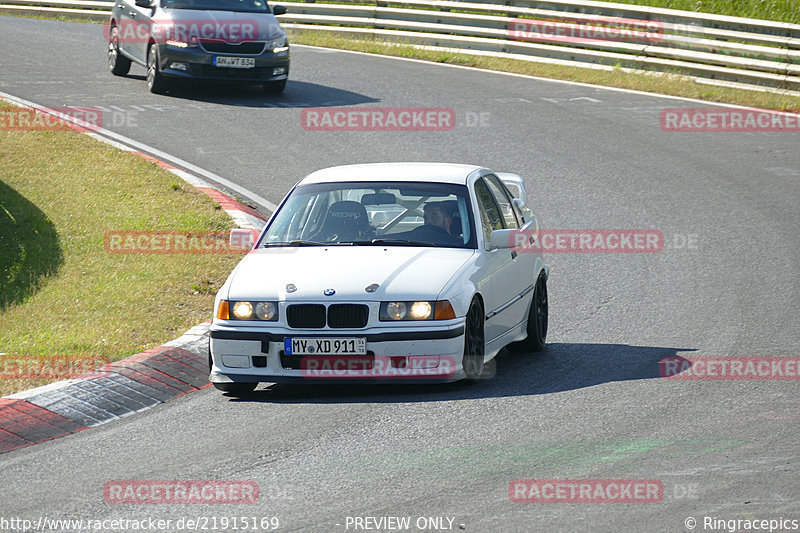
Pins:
x,y
325,346
235,62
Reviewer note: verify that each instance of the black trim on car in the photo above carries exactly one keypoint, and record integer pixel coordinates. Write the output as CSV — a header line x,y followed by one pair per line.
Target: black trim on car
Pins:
x,y
509,303
302,380
375,337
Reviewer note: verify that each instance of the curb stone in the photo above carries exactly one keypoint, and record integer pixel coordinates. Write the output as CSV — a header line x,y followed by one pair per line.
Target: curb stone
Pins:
x,y
124,387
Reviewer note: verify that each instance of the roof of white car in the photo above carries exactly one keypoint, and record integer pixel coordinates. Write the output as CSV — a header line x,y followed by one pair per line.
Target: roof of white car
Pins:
x,y
433,172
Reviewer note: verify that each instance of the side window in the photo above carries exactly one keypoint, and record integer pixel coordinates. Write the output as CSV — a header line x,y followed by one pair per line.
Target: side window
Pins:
x,y
504,201
489,212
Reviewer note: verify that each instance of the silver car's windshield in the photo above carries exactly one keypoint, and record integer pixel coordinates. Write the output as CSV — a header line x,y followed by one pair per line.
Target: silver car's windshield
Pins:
x,y
374,213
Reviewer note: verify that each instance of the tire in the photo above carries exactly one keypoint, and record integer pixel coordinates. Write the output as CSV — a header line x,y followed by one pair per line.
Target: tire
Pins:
x,y
156,81
474,341
537,319
275,87
118,64
236,388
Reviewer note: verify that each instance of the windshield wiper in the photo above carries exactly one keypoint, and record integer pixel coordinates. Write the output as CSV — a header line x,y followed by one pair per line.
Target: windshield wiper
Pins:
x,y
395,242
299,243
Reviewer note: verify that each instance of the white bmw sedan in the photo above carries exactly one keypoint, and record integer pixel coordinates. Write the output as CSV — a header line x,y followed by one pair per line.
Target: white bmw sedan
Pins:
x,y
395,272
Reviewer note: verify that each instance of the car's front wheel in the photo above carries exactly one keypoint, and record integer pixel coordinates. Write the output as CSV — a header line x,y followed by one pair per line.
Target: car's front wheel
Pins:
x,y
236,388
474,341
118,64
156,81
538,317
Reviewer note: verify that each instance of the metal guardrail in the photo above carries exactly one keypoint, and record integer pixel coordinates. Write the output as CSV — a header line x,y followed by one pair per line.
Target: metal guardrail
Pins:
x,y
712,48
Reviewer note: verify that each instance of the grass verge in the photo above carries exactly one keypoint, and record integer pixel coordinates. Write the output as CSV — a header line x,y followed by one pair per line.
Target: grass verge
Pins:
x,y
663,84
61,293
780,10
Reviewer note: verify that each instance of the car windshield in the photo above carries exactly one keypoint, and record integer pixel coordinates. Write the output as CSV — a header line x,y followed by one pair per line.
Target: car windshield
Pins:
x,y
374,213
244,6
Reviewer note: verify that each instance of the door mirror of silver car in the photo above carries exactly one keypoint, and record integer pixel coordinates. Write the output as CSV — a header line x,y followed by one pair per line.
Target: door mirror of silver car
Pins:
x,y
144,3
503,238
278,10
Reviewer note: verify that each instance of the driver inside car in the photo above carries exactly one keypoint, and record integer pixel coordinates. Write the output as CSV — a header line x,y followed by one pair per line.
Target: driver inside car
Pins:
x,y
434,216
438,224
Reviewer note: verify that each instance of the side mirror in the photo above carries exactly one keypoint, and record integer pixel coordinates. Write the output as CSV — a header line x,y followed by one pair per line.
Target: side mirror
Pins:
x,y
278,10
515,184
144,3
503,238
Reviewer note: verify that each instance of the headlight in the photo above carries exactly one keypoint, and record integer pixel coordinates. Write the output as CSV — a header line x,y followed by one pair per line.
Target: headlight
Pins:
x,y
396,310
278,45
266,311
419,310
183,42
241,310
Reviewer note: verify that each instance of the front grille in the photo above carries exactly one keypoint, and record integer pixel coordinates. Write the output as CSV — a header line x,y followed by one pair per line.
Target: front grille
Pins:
x,y
306,316
338,316
347,315
253,48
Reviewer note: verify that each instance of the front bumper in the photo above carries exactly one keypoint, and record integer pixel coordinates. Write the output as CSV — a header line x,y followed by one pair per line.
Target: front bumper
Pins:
x,y
199,64
394,355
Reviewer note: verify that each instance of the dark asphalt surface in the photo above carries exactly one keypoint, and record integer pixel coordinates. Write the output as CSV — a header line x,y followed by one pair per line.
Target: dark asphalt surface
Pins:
x,y
592,406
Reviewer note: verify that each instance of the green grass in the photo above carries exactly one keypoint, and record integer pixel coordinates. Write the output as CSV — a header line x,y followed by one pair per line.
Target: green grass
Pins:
x,y
780,10
671,85
61,293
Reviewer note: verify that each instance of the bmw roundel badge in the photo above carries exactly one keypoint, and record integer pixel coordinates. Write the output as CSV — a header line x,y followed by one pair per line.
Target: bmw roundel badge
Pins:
x,y
329,292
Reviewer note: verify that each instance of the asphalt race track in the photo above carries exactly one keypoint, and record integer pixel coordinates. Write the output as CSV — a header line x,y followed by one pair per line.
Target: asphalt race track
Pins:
x,y
591,406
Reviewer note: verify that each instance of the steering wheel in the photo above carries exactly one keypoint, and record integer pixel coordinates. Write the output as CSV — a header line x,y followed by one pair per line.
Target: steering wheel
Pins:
x,y
435,234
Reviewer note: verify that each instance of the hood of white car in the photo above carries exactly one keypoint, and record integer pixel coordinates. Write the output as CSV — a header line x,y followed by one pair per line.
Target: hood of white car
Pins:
x,y
399,273
230,26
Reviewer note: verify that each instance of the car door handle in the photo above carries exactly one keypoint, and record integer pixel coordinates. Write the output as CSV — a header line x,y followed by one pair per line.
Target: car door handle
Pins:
x,y
132,14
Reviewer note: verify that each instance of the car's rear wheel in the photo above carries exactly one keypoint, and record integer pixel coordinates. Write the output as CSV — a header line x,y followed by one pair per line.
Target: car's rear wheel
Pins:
x,y
474,341
275,87
156,81
236,388
538,317
118,64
